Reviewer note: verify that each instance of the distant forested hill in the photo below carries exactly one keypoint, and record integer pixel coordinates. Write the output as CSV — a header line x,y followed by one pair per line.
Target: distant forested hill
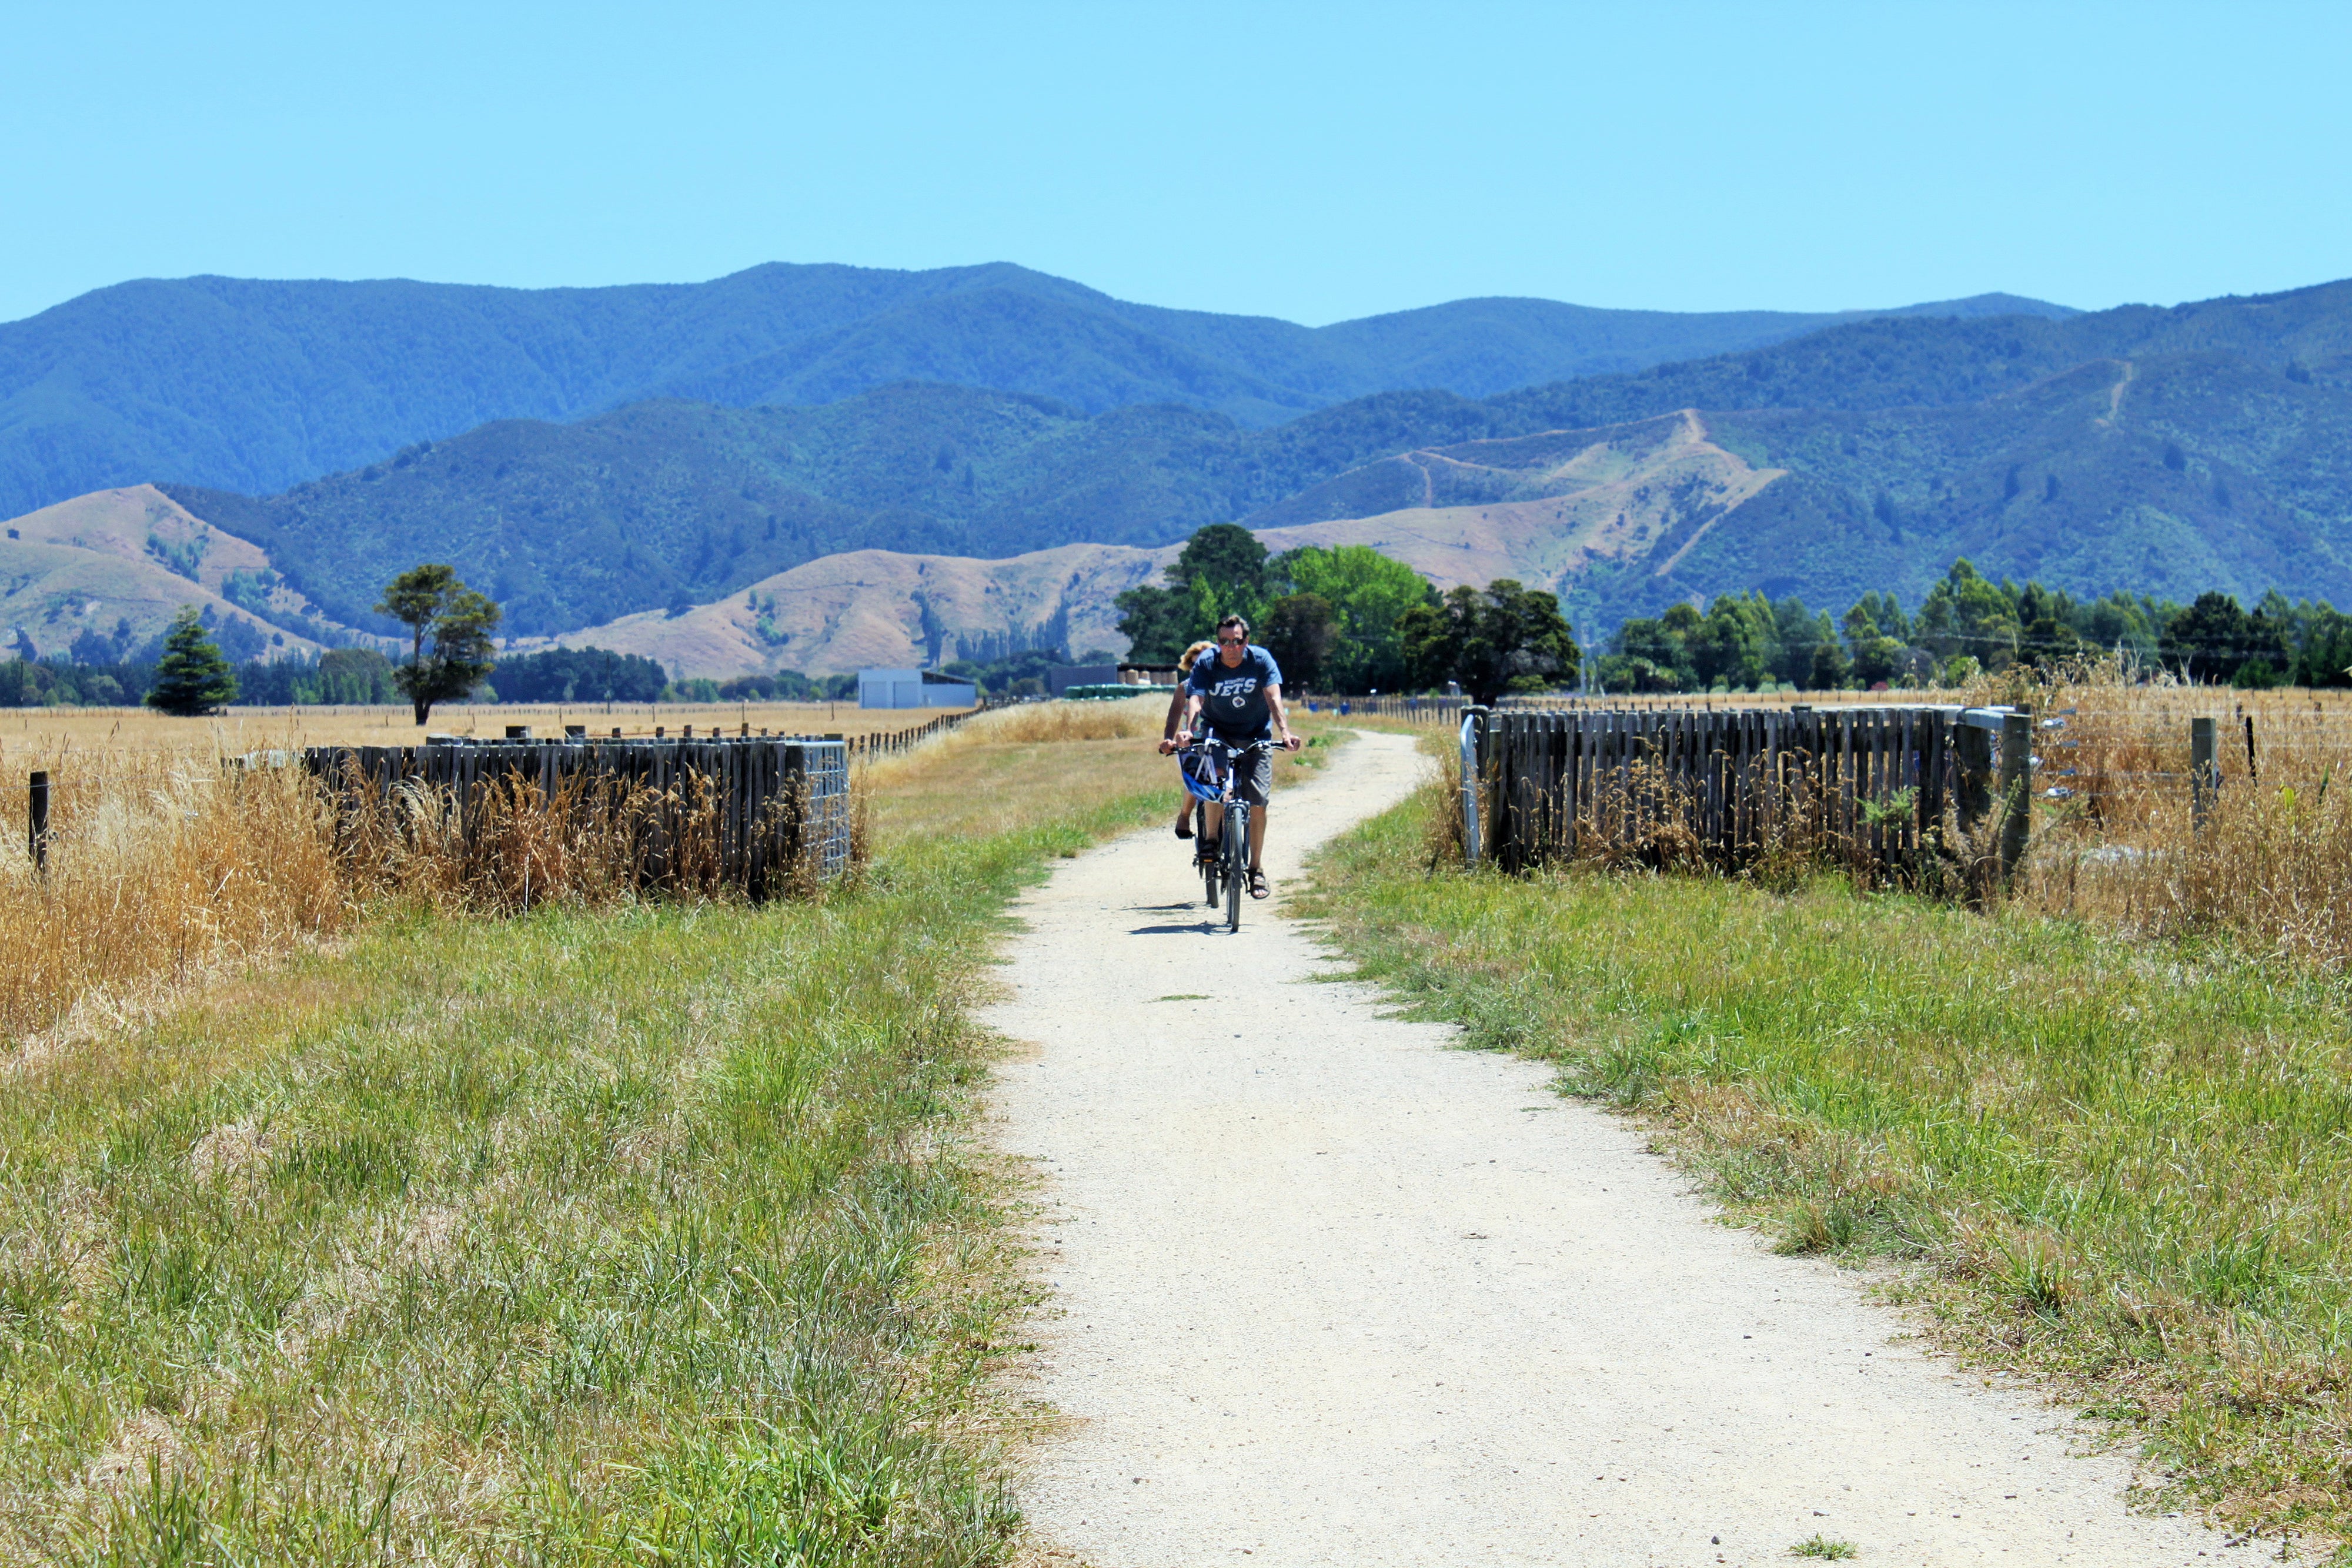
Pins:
x,y
252,386
2166,452
2169,474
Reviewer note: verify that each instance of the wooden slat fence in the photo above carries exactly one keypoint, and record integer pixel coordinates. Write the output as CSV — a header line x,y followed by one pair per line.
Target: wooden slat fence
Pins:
x,y
761,812
1873,789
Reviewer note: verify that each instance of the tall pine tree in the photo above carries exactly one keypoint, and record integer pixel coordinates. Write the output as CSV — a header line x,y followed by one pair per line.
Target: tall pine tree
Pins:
x,y
192,677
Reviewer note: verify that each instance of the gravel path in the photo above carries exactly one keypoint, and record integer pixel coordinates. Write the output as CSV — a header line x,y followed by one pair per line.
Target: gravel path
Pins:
x,y
1327,1291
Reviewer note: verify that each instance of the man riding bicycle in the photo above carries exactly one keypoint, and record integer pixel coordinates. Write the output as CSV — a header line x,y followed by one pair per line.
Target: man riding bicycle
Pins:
x,y
1238,689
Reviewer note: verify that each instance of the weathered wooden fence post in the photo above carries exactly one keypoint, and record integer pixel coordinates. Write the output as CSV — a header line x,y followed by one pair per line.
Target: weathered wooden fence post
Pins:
x,y
36,823
2016,789
2204,771
1972,773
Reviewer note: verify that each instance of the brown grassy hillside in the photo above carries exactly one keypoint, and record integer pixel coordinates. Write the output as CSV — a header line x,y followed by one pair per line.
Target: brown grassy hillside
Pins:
x,y
128,555
870,608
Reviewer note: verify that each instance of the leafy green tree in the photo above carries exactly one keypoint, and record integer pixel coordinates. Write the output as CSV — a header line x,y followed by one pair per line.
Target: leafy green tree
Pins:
x,y
1886,613
1024,674
1220,571
1797,632
2046,626
1300,631
1737,643
2119,623
1224,561
2258,674
1157,622
457,621
192,677
1964,613
356,676
2208,641
2272,634
1652,656
2324,655
1503,637
1368,594
1832,669
2045,640
1875,656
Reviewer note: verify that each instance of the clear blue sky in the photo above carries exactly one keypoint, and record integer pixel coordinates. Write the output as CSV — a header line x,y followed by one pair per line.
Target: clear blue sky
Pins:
x,y
1315,163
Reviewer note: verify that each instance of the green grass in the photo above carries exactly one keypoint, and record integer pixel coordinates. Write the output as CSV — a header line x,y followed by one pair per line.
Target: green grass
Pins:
x,y
2126,1166
1821,1546
635,1235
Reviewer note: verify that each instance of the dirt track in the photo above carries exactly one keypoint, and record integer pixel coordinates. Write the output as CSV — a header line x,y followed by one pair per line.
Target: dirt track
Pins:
x,y
1327,1291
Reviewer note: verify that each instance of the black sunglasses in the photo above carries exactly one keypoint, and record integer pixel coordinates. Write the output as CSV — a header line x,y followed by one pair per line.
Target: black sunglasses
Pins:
x,y
1233,642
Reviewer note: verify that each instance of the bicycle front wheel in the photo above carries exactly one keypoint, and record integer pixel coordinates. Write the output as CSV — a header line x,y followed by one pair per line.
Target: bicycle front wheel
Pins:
x,y
1236,867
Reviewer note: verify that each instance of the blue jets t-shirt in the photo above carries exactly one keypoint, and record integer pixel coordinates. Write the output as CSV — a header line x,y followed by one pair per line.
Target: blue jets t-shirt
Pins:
x,y
1235,694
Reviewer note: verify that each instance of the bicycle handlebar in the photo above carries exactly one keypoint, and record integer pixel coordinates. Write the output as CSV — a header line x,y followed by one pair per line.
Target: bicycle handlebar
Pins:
x,y
1199,740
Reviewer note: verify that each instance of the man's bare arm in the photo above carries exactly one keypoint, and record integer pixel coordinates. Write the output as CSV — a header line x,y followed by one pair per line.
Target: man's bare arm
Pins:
x,y
1281,718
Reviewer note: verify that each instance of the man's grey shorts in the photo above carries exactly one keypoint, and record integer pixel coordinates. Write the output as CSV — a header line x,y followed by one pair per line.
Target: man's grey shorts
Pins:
x,y
1255,780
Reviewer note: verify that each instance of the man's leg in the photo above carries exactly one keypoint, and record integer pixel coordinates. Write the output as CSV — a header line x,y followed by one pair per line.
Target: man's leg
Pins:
x,y
1213,821
1257,786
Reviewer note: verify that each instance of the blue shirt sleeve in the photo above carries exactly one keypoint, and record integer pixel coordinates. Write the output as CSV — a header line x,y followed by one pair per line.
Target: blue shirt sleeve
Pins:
x,y
1272,676
1197,678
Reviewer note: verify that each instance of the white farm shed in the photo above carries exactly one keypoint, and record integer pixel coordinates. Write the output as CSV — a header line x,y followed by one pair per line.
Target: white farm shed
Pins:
x,y
907,688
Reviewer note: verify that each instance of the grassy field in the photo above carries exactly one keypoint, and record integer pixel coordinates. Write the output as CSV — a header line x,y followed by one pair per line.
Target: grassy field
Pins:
x,y
2119,1164
169,862
645,1233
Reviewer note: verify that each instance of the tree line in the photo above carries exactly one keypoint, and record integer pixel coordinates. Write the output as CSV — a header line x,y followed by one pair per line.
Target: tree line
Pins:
x,y
187,670
1969,623
1350,619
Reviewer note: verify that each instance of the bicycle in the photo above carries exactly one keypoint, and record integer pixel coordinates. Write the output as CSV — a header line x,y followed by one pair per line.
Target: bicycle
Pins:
x,y
1227,873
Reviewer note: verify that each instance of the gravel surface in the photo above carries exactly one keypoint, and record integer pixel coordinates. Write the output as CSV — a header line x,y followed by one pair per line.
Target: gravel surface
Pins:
x,y
1327,1291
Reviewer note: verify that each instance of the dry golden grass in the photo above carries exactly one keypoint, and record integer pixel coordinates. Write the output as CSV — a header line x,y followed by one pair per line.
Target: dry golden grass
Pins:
x,y
165,869
161,870
2271,865
170,859
1016,766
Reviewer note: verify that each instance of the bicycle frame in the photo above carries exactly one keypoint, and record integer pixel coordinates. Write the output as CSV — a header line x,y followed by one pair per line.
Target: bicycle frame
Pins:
x,y
1230,867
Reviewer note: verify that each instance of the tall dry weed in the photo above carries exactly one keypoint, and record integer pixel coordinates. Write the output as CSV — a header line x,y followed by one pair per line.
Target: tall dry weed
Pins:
x,y
1646,816
2269,864
163,868
2114,834
159,869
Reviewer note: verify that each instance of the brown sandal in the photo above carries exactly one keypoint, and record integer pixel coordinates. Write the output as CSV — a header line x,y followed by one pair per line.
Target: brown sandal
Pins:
x,y
1257,884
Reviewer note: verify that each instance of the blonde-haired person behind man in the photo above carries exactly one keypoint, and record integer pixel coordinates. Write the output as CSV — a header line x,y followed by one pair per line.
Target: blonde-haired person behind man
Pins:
x,y
1168,731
